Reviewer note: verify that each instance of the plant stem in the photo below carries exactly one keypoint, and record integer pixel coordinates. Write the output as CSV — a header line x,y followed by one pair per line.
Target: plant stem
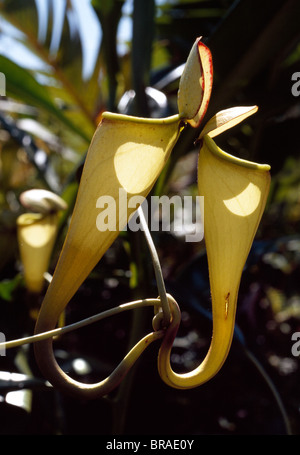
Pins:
x,y
273,389
157,270
138,304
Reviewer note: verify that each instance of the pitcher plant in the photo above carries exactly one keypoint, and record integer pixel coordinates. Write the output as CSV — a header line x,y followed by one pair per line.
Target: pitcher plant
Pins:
x,y
128,153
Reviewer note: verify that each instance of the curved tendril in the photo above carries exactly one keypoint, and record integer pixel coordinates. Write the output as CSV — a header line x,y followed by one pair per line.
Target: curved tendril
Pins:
x,y
158,272
82,323
217,353
60,379
67,384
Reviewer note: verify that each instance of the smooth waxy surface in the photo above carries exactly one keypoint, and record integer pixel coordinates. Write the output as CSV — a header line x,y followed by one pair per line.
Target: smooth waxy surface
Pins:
x,y
235,193
36,236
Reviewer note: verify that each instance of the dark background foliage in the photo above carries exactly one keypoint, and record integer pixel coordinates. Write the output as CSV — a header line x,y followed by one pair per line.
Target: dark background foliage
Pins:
x,y
47,120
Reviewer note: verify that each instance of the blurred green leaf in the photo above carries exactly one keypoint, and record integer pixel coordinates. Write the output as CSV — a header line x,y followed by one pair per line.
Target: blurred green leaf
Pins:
x,y
142,44
109,14
21,84
7,287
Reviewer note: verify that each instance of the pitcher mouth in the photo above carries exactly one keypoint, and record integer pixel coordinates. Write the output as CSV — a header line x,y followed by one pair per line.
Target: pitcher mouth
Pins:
x,y
29,218
152,121
212,146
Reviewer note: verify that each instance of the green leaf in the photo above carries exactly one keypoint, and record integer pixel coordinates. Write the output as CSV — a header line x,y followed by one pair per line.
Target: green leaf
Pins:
x,y
21,84
7,287
109,14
